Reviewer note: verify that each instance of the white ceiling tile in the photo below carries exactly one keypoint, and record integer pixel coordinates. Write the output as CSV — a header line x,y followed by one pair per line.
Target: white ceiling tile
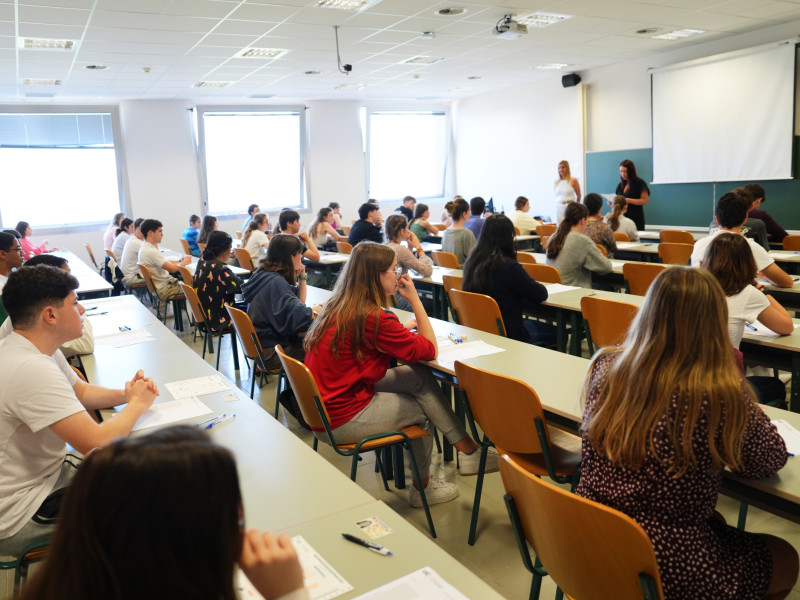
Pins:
x,y
123,20
141,6
56,16
41,30
263,12
200,8
241,27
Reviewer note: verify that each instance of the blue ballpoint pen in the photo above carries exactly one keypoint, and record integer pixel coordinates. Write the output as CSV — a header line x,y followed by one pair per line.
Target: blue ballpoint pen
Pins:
x,y
223,420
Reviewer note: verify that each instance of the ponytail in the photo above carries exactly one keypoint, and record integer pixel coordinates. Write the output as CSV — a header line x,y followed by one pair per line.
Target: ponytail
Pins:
x,y
574,214
619,205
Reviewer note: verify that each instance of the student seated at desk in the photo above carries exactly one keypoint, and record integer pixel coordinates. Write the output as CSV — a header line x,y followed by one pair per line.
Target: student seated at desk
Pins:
x,y
521,219
731,213
492,269
571,252
161,516
276,294
123,234
255,239
596,230
368,226
43,404
28,249
151,257
338,225
210,224
410,256
322,233
457,239
191,233
775,232
214,281
129,259
348,349
111,231
676,367
289,222
730,260
617,220
419,225
10,256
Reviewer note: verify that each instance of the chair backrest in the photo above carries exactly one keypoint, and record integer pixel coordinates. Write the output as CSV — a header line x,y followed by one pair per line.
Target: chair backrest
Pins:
x,y
640,275
452,282
546,229
91,256
676,236
516,230
346,229
608,320
193,300
602,249
621,237
80,374
477,311
525,257
510,423
675,254
239,235
543,273
445,259
201,246
439,226
791,242
344,247
245,332
186,249
305,390
110,254
543,240
186,276
590,550
244,259
148,279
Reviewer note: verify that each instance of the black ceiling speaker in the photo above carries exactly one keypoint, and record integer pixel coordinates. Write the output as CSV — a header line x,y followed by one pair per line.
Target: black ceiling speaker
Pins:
x,y
571,79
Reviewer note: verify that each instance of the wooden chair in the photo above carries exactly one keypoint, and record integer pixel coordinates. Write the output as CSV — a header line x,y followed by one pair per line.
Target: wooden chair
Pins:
x,y
91,257
526,258
177,300
640,275
316,414
791,242
590,550
543,241
543,273
110,254
517,231
621,237
32,553
602,249
451,282
201,246
477,311
199,314
445,259
253,350
346,229
244,259
608,321
439,226
546,229
675,236
512,419
675,254
344,247
186,276
186,249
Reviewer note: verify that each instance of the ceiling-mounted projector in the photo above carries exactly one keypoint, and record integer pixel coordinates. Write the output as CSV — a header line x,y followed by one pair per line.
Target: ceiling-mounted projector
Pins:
x,y
508,29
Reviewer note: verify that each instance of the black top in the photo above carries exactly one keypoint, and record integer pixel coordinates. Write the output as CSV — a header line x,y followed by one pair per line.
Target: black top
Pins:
x,y
216,286
406,212
513,290
635,212
364,230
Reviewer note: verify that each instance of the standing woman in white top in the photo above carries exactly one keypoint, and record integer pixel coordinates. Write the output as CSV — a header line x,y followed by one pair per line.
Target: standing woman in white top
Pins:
x,y
619,222
255,239
322,229
567,189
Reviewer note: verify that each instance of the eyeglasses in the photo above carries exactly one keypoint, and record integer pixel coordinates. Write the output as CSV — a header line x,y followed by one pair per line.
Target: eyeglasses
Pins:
x,y
398,271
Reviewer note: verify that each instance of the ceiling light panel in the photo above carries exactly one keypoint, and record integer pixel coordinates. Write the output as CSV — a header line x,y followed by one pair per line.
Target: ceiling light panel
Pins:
x,y
351,5
678,34
41,82
47,44
541,19
422,60
263,53
212,84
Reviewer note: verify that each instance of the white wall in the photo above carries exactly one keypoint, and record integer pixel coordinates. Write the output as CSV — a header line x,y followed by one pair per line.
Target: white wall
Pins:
x,y
509,143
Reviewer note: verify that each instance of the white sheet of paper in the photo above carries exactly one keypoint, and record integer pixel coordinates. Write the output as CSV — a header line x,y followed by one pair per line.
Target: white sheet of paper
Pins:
x,y
197,386
451,354
425,584
763,330
165,413
330,258
627,245
124,338
782,253
790,436
616,265
321,580
557,288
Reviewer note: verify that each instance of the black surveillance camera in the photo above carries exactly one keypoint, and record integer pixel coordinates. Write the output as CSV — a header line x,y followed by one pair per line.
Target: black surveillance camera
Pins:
x,y
347,68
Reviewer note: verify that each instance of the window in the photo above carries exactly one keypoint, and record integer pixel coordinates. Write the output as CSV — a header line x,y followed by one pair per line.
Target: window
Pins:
x,y
407,154
253,157
58,168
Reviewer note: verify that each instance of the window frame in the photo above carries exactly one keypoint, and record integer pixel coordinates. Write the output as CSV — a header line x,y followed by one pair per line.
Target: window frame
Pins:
x,y
200,144
119,157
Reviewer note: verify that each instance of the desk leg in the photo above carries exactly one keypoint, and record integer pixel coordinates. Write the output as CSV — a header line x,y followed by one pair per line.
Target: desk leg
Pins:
x,y
576,321
561,331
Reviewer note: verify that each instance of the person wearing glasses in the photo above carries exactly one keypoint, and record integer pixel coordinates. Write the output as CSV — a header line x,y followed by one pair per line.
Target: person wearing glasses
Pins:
x,y
348,349
10,256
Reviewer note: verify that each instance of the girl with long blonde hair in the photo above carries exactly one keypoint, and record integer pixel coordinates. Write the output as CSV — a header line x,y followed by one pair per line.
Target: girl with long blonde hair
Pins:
x,y
348,349
664,414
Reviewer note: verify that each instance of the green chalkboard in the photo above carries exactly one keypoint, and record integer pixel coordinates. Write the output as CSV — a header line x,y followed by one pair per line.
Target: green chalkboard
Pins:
x,y
689,204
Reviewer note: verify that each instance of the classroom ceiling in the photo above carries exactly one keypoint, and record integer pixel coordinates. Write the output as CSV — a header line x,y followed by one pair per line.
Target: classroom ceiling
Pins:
x,y
160,49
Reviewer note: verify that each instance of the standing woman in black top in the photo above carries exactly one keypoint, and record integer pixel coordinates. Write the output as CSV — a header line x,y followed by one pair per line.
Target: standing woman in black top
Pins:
x,y
635,191
492,269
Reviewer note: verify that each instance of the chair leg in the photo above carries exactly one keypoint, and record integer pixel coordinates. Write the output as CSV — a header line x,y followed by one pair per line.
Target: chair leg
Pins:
x,y
252,380
418,479
381,468
742,516
354,467
315,443
235,350
219,348
281,379
476,503
536,581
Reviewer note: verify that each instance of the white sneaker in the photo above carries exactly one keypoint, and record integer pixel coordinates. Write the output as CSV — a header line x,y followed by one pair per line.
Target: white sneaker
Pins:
x,y
468,463
436,492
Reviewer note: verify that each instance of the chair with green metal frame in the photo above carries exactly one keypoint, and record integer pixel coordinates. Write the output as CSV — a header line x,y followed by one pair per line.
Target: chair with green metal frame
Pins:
x,y
478,311
33,552
316,414
199,314
515,426
590,550
177,300
606,321
451,282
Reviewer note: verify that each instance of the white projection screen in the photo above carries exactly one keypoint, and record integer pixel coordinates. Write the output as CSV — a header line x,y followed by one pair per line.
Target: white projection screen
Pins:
x,y
728,117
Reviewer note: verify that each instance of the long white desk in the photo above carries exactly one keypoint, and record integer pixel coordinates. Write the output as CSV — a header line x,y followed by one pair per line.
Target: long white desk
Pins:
x,y
92,285
286,486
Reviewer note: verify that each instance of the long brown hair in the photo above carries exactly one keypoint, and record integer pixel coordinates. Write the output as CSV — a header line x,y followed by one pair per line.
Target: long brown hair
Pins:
x,y
730,259
319,220
280,252
619,205
357,297
252,226
676,364
573,214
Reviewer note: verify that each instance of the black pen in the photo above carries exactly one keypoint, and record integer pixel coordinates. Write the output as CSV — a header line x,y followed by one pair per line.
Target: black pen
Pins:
x,y
369,545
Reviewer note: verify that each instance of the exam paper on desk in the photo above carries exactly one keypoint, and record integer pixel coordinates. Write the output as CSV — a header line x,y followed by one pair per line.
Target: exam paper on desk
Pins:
x,y
790,435
762,330
124,338
425,584
465,350
197,386
166,413
556,288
